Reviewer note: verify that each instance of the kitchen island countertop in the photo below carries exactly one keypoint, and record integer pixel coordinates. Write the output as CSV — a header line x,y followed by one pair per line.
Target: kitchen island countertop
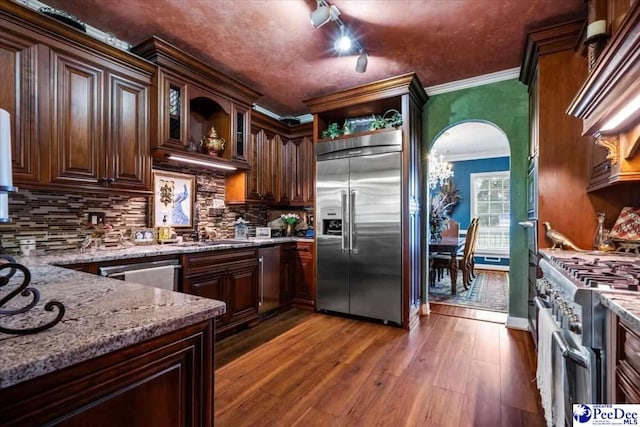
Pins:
x,y
102,315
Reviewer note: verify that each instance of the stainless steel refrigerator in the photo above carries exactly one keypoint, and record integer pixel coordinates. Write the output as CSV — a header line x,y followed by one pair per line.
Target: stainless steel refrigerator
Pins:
x,y
359,226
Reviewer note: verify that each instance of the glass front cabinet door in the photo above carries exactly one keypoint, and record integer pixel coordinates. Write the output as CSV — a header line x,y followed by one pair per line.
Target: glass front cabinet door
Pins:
x,y
241,119
173,123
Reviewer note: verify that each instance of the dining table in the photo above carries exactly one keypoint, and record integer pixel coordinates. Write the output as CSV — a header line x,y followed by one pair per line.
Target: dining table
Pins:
x,y
451,246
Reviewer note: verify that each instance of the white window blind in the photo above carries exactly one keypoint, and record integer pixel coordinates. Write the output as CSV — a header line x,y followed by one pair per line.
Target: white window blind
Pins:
x,y
490,204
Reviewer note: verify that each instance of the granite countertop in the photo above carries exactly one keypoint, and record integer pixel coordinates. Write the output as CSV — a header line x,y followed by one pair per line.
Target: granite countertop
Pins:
x,y
102,315
626,306
101,255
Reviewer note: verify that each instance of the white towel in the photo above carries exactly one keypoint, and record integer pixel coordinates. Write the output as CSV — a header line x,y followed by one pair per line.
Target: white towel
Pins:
x,y
558,387
158,277
545,372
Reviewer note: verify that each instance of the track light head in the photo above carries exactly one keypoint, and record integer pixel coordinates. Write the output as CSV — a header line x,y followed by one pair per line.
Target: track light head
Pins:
x,y
320,16
323,14
361,63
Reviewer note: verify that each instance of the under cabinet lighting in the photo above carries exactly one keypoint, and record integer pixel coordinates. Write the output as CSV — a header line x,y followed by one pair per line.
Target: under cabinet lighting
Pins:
x,y
200,162
623,114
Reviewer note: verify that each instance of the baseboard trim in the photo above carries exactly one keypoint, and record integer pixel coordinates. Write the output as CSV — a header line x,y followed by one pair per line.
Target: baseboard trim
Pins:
x,y
520,323
492,267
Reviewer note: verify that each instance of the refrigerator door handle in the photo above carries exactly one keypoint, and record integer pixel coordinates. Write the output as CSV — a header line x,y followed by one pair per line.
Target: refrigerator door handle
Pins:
x,y
352,214
343,208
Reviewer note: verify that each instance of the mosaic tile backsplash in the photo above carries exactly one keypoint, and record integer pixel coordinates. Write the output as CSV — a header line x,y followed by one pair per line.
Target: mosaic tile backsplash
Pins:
x,y
58,220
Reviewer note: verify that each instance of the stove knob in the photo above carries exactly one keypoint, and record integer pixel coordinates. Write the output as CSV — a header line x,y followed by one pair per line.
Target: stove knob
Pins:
x,y
574,324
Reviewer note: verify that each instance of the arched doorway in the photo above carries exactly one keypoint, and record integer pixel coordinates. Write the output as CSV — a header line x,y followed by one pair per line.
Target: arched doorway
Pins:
x,y
477,153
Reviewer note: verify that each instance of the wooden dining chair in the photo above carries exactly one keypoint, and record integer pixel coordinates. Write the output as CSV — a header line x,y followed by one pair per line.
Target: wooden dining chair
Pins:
x,y
441,261
472,250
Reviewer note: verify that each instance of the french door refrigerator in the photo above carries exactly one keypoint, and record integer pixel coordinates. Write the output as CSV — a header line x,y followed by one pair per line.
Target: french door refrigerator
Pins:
x,y
359,233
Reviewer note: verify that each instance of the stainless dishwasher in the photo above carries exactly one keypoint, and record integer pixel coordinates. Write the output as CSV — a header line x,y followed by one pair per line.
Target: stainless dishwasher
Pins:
x,y
269,264
159,274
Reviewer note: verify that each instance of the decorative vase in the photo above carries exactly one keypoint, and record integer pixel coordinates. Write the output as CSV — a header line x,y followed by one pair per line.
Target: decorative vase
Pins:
x,y
290,230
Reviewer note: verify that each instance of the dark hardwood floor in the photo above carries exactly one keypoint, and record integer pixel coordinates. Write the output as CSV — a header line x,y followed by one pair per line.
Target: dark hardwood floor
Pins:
x,y
333,371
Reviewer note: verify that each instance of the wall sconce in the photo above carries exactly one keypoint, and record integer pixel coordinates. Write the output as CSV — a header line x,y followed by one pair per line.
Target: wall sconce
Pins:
x,y
595,41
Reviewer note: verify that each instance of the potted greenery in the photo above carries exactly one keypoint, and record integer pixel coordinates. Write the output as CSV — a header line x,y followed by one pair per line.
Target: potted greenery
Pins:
x,y
438,217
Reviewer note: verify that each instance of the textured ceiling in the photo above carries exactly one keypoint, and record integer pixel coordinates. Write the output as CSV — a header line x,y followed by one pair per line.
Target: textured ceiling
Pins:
x,y
271,45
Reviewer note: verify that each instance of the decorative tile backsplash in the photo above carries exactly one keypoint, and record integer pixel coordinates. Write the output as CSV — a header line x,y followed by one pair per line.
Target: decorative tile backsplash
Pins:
x,y
58,220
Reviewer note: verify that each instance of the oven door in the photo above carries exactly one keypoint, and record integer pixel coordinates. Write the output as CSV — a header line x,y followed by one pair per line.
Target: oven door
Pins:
x,y
575,370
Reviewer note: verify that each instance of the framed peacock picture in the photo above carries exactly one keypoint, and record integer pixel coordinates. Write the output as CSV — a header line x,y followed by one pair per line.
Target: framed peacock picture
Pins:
x,y
173,199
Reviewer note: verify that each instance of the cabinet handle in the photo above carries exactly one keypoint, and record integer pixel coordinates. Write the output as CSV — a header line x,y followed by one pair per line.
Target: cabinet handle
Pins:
x,y
104,180
261,262
111,180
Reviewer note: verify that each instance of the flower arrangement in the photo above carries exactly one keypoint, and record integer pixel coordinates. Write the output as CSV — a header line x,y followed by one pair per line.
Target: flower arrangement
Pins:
x,y
290,218
438,216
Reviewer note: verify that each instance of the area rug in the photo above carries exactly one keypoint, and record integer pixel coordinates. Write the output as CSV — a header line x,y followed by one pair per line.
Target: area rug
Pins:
x,y
488,291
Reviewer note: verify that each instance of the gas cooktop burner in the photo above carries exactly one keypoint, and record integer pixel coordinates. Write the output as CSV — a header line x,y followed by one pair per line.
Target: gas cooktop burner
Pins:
x,y
602,273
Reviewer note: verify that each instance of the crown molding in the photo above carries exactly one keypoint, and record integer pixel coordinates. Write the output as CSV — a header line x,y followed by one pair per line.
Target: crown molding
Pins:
x,y
485,79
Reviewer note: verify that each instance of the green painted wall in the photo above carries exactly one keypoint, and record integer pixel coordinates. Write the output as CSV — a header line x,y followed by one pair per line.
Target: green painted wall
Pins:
x,y
505,104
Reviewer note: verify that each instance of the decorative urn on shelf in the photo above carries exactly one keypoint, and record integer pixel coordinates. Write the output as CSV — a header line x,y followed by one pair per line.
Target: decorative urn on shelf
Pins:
x,y
211,144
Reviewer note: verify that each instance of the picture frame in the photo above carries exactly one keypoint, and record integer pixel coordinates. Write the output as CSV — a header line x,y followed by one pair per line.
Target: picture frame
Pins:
x,y
173,199
143,236
263,232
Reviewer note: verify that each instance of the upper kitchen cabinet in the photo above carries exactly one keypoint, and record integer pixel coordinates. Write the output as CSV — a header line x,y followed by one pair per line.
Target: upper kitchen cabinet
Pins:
x,y
281,165
191,101
79,107
608,101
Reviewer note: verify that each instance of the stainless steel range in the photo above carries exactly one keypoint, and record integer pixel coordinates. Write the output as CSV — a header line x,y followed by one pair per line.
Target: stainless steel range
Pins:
x,y
570,288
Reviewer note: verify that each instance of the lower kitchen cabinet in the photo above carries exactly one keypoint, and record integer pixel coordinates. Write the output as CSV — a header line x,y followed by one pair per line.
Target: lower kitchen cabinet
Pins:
x,y
304,276
287,274
165,381
229,276
623,368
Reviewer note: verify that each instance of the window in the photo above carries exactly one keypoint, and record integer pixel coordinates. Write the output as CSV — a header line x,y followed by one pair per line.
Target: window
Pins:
x,y
490,204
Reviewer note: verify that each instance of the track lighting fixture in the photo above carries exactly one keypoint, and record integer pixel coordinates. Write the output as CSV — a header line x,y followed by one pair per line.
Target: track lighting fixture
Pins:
x,y
361,63
323,14
346,42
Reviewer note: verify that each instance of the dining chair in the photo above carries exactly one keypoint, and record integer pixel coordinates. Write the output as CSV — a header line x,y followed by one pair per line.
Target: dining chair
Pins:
x,y
441,261
472,250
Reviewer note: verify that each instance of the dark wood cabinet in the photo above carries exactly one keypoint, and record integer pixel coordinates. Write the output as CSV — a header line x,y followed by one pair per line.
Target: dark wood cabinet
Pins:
x,y
165,381
80,108
550,66
281,166
304,276
230,276
190,97
287,274
609,89
623,361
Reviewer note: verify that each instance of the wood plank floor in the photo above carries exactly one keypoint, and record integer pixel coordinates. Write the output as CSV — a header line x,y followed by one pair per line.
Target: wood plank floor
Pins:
x,y
333,371
469,313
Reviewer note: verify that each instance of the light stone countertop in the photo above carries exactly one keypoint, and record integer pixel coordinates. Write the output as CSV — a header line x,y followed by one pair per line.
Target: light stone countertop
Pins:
x,y
626,306
102,315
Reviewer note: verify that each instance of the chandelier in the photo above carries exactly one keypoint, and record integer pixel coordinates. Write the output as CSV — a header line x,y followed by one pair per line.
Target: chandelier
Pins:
x,y
439,170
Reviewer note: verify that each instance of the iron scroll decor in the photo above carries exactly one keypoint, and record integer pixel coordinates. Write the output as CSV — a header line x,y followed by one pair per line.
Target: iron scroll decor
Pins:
x,y
24,290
